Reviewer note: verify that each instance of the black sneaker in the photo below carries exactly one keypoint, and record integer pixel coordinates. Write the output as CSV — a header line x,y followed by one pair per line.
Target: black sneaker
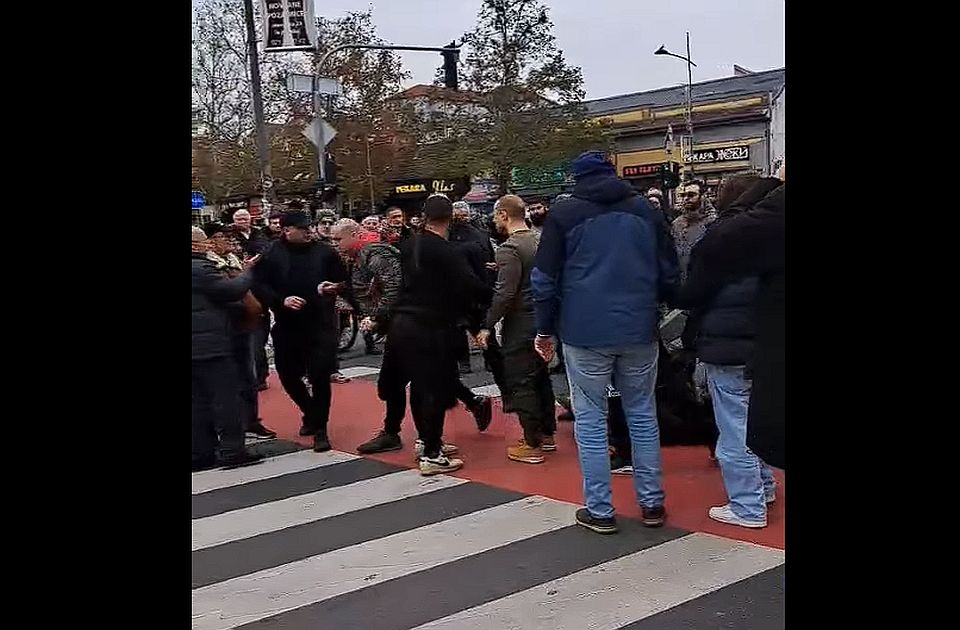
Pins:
x,y
306,431
240,459
482,411
204,463
261,432
653,517
620,465
382,443
599,525
321,444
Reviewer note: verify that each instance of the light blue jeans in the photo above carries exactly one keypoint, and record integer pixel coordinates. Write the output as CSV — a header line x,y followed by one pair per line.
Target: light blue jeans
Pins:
x,y
747,479
590,371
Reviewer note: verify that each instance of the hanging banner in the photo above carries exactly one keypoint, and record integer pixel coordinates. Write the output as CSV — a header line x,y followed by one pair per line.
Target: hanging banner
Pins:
x,y
288,25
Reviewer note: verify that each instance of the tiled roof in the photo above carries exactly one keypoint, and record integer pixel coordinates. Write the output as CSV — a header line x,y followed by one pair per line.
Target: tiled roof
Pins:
x,y
704,92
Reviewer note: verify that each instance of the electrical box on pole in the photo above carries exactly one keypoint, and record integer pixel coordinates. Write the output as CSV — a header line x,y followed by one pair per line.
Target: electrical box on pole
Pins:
x,y
450,59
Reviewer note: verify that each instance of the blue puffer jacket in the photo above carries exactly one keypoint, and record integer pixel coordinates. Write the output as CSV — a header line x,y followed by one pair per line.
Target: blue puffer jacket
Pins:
x,y
727,325
606,258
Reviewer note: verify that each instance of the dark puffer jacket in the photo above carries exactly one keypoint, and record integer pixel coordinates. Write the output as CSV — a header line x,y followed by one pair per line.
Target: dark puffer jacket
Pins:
x,y
213,292
727,326
753,243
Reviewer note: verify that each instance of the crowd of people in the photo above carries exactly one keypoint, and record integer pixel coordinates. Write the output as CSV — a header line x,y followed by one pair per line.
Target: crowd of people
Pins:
x,y
588,281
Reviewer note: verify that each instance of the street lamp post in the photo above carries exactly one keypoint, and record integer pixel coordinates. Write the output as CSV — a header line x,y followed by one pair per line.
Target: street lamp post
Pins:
x,y
663,51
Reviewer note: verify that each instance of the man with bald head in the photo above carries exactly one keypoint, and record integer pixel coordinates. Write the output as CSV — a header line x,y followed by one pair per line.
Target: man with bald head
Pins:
x,y
528,390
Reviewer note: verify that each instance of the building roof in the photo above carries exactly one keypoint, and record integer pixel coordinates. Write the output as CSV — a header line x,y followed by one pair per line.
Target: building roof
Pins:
x,y
435,92
705,92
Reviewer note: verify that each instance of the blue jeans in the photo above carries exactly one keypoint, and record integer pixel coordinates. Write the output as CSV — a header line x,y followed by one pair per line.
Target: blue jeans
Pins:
x,y
747,479
590,371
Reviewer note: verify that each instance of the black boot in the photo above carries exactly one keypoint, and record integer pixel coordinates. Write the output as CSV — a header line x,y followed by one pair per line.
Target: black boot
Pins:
x,y
321,443
482,411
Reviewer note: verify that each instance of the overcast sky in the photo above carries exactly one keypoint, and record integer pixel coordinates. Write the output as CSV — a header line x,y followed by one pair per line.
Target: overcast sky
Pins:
x,y
611,40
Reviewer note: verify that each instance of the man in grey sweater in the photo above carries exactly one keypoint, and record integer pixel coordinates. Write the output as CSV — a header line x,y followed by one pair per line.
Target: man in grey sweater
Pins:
x,y
529,391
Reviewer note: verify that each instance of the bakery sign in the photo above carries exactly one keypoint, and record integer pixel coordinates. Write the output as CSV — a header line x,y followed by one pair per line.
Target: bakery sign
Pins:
x,y
449,187
725,154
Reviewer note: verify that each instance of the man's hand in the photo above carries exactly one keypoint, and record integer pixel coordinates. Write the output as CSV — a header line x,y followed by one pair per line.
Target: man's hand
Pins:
x,y
294,303
326,287
367,325
546,346
250,262
482,338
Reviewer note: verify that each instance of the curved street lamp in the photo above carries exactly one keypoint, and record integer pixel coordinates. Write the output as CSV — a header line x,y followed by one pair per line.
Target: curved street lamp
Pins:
x,y
663,51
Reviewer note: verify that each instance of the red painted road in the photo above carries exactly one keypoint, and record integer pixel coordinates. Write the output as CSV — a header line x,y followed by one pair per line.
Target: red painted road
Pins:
x,y
691,482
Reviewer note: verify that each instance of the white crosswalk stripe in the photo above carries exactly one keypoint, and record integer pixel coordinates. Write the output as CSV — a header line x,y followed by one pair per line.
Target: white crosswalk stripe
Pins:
x,y
335,541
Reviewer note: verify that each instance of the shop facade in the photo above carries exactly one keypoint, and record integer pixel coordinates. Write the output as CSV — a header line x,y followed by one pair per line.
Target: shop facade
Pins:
x,y
731,130
409,194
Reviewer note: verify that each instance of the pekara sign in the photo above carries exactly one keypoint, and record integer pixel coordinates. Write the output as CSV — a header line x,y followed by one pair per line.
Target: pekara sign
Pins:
x,y
724,154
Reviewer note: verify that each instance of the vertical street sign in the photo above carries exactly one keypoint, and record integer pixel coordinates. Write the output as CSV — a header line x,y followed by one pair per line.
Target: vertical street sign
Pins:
x,y
288,25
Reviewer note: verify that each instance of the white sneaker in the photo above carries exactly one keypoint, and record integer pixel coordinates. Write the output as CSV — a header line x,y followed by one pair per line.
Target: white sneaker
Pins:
x,y
445,449
437,465
724,514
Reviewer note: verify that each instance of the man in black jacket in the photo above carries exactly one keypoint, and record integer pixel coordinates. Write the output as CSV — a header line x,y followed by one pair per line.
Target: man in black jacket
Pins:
x,y
437,291
725,332
754,243
215,380
476,247
298,280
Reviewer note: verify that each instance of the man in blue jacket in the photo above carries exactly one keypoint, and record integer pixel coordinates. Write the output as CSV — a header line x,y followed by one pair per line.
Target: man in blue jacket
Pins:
x,y
605,260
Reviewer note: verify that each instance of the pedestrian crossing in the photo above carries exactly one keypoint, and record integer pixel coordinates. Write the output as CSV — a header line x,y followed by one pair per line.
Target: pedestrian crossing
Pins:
x,y
332,540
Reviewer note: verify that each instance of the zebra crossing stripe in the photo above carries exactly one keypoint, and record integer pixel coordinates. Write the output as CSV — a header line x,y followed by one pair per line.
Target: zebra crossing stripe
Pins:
x,y
285,464
334,541
273,591
313,506
667,575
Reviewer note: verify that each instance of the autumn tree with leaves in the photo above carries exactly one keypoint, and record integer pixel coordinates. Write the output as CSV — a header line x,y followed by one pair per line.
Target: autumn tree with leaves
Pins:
x,y
527,110
224,155
370,144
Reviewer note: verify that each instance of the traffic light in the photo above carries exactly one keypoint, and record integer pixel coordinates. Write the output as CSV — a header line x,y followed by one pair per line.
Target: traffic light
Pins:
x,y
670,175
450,59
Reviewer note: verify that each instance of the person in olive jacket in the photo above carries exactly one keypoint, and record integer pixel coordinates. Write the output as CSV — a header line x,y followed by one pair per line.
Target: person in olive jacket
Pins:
x,y
215,380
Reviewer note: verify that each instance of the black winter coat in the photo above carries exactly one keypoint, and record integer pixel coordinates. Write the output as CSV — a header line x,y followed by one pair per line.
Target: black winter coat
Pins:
x,y
753,243
289,270
213,293
726,325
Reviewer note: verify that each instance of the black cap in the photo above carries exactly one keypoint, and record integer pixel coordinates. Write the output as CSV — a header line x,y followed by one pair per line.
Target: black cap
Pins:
x,y
437,207
295,218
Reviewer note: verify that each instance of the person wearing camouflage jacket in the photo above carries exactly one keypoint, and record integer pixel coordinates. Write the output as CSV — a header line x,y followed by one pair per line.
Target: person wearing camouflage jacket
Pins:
x,y
376,274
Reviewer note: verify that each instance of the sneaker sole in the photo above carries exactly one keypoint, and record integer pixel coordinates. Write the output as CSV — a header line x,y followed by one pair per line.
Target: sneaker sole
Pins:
x,y
738,522
654,522
526,460
439,471
600,529
259,438
548,449
419,454
622,471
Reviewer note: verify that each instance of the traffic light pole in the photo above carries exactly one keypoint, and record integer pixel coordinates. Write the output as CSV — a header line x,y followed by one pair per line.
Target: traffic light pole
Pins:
x,y
263,149
445,51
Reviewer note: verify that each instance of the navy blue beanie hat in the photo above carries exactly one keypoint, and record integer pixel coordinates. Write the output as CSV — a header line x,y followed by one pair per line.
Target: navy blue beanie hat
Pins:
x,y
591,162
